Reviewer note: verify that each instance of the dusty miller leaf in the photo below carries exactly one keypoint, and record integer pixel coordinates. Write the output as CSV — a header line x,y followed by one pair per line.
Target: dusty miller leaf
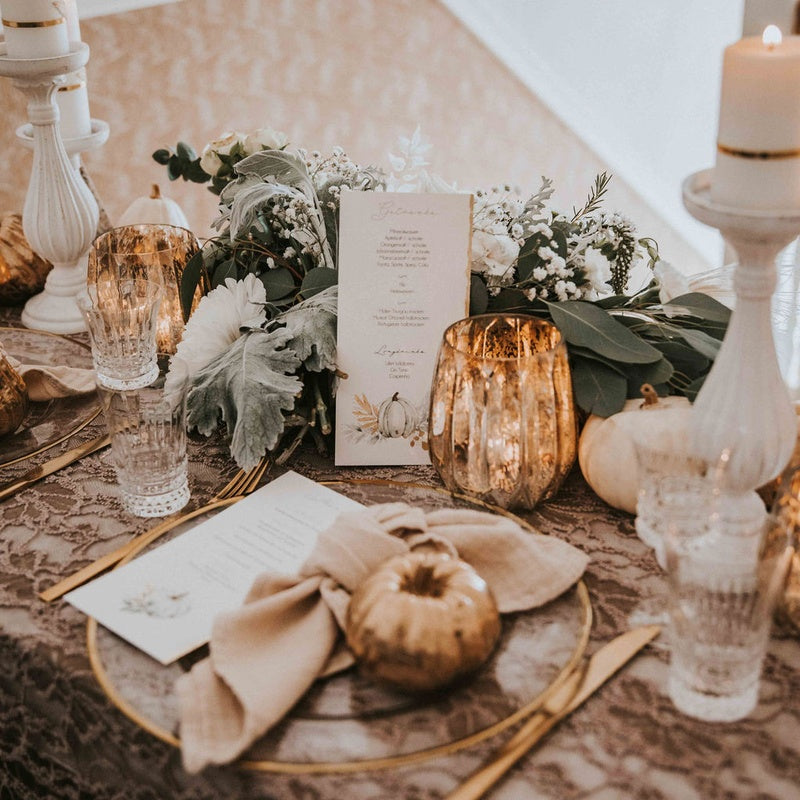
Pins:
x,y
312,325
251,384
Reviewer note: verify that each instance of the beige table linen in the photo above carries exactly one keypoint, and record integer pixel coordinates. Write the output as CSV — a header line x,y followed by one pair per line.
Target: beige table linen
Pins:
x,y
265,655
49,382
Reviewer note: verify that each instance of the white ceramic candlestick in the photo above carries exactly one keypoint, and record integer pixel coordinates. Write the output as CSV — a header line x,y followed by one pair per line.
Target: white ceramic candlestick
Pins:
x,y
744,404
60,213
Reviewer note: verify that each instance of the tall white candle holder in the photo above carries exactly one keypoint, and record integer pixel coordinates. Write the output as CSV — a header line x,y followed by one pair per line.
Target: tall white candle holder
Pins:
x,y
744,404
60,215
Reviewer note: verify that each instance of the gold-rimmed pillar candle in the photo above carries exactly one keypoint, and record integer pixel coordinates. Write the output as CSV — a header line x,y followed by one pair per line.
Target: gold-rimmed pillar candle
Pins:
x,y
758,145
34,28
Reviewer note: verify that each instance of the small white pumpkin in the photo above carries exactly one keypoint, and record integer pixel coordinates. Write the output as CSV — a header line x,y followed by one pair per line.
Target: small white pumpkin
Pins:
x,y
422,620
606,451
396,417
154,209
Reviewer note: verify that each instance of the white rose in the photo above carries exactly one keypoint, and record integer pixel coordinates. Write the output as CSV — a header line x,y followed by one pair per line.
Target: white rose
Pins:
x,y
264,139
210,157
493,254
598,270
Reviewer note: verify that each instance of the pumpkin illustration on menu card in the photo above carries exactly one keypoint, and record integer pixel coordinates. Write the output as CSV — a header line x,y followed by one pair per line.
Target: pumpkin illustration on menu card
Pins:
x,y
396,417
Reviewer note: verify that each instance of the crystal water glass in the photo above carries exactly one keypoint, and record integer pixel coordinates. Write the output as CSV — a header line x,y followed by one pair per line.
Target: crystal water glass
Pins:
x,y
148,447
723,586
121,319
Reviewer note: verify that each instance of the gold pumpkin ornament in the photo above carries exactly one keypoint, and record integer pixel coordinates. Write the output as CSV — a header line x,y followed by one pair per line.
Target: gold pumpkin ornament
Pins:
x,y
13,397
606,452
422,620
22,272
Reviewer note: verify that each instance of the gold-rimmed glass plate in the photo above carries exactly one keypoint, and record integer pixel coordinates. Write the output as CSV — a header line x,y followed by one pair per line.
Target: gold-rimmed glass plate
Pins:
x,y
50,422
346,723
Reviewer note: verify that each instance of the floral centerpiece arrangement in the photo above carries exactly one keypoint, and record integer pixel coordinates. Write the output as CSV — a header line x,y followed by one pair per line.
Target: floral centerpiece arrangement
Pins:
x,y
260,350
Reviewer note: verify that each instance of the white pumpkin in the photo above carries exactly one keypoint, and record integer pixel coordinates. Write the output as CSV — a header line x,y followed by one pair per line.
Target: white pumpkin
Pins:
x,y
606,452
396,417
154,209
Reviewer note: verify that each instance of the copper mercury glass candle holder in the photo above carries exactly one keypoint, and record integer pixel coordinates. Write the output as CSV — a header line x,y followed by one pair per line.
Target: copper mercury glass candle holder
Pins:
x,y
502,416
154,252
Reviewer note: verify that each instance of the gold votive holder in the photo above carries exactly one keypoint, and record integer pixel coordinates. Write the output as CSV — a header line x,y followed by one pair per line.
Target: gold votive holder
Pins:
x,y
13,398
502,421
154,252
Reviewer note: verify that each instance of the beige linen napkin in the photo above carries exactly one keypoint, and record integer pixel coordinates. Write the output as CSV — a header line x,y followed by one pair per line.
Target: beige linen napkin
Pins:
x,y
47,383
265,655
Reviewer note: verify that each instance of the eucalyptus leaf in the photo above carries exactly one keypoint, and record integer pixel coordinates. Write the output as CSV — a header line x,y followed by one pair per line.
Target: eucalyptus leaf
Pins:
x,y
598,388
698,304
655,374
278,283
586,325
683,358
509,300
478,296
190,279
250,386
225,269
318,279
706,345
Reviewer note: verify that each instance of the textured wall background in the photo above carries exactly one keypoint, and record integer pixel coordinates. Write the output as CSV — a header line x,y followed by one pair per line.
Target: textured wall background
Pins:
x,y
357,74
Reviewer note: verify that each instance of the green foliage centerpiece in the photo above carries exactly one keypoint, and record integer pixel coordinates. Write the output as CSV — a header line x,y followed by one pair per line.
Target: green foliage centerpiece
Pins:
x,y
260,351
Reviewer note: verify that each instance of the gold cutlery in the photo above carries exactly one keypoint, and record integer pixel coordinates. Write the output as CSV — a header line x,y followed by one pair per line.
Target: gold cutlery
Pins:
x,y
579,685
53,465
243,483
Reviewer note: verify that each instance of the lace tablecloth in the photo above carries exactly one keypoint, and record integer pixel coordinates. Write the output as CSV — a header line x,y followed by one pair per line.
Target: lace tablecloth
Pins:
x,y
61,738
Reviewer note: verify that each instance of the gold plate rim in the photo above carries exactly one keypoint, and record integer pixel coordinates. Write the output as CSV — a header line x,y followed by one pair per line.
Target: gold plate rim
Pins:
x,y
91,418
363,765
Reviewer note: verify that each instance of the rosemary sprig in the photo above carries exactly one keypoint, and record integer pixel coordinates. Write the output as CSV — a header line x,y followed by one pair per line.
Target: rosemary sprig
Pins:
x,y
595,198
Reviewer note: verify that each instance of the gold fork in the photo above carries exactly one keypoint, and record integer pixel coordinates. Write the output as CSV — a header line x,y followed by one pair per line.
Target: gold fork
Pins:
x,y
243,483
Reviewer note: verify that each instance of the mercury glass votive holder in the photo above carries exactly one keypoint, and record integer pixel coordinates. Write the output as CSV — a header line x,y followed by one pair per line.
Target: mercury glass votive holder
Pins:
x,y
502,419
154,252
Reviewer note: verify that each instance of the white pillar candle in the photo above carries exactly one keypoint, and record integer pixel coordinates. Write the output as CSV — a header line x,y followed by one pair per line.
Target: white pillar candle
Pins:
x,y
73,103
758,146
34,28
73,97
71,15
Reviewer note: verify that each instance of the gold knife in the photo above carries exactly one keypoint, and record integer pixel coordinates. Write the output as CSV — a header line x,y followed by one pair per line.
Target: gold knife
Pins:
x,y
579,685
53,465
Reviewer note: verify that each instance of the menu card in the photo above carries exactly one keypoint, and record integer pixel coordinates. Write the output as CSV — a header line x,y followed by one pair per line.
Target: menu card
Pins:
x,y
165,601
403,278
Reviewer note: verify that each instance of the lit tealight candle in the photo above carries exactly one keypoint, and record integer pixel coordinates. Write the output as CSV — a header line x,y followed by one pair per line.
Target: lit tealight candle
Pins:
x,y
34,28
758,146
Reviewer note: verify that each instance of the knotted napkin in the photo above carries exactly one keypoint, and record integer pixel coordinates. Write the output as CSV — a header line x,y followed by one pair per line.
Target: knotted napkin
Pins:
x,y
47,383
266,654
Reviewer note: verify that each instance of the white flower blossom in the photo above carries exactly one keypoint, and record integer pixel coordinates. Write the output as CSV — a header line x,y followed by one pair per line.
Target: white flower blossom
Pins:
x,y
264,139
216,324
210,157
598,270
493,255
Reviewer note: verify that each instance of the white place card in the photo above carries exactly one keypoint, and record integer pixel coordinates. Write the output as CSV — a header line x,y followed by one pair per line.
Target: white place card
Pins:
x,y
403,278
165,601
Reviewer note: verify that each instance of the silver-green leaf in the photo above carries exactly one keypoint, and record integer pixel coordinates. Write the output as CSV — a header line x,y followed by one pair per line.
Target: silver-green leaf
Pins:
x,y
250,386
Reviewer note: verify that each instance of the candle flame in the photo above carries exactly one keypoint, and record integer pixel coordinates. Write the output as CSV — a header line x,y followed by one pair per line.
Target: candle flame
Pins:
x,y
772,36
